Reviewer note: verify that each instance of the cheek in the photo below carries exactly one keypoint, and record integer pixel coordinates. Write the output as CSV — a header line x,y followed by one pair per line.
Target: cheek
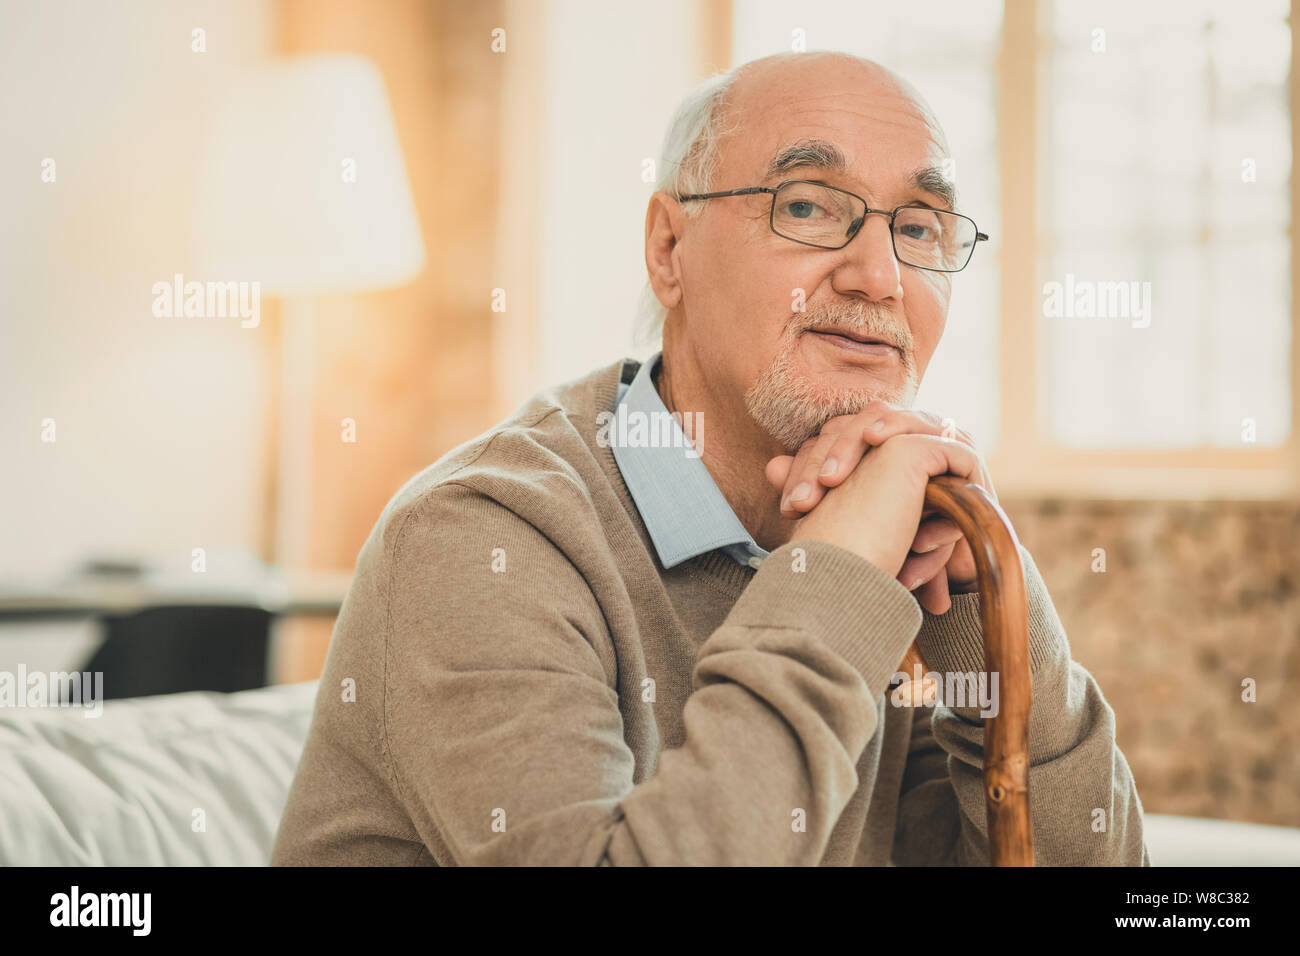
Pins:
x,y
719,275
779,290
927,313
748,292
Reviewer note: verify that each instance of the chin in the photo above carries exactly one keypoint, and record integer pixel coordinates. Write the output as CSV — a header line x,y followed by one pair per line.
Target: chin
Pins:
x,y
791,404
849,387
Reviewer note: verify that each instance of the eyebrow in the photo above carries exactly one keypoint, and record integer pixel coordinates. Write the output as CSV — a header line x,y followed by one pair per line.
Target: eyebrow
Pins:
x,y
824,155
932,180
817,153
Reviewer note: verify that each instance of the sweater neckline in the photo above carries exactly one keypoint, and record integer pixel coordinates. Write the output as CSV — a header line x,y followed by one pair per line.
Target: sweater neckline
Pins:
x,y
722,568
717,565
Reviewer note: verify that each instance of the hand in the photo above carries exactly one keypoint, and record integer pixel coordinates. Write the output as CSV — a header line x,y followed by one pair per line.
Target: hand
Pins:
x,y
875,510
941,561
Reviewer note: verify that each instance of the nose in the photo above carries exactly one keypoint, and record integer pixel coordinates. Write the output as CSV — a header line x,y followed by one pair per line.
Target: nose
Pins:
x,y
869,267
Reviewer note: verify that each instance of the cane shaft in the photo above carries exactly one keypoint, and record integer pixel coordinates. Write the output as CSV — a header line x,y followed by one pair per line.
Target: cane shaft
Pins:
x,y
1004,613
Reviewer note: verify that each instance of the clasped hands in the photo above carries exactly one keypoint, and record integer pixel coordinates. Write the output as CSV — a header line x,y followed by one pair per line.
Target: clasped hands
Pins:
x,y
861,483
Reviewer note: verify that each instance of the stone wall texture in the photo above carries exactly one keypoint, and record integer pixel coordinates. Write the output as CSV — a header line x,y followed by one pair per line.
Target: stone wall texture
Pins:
x,y
1196,597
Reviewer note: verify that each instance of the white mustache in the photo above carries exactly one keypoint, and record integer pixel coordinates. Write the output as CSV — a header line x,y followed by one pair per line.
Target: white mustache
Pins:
x,y
863,328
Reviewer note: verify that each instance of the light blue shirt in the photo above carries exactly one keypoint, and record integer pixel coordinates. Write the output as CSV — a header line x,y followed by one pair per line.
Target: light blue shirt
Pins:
x,y
683,509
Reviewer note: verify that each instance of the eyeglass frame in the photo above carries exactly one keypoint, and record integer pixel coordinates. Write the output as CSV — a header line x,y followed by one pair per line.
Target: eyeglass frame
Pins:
x,y
771,215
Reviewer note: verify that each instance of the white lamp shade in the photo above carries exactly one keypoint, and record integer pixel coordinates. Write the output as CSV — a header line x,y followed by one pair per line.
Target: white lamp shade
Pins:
x,y
302,187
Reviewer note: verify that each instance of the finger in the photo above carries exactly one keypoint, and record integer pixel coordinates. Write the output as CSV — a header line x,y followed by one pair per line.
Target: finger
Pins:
x,y
882,421
777,469
935,532
837,424
802,491
851,443
877,422
963,575
910,421
917,569
893,422
946,456
983,479
933,595
842,457
814,461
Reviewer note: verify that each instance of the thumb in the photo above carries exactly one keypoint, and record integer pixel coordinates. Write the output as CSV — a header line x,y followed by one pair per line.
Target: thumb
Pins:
x,y
778,470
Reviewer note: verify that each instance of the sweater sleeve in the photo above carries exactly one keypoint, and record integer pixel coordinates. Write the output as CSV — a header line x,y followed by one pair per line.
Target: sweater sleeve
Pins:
x,y
504,727
1083,800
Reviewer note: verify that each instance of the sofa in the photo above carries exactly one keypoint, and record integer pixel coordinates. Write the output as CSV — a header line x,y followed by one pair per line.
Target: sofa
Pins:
x,y
200,779
195,779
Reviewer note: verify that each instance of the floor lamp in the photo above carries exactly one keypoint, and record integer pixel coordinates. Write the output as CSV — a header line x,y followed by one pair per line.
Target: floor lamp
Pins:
x,y
303,190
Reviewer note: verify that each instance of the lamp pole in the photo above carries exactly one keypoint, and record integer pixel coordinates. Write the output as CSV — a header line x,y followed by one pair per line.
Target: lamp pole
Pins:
x,y
293,490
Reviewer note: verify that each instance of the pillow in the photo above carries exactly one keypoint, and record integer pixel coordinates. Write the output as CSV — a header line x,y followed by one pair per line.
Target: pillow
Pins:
x,y
194,779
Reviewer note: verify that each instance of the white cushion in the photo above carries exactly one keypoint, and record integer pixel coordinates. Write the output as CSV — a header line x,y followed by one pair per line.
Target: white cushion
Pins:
x,y
1191,841
121,789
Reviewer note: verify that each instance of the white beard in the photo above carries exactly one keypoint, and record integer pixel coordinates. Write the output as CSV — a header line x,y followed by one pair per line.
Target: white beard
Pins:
x,y
792,408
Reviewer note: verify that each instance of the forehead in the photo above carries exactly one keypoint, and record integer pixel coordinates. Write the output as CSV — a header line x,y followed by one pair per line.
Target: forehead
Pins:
x,y
884,132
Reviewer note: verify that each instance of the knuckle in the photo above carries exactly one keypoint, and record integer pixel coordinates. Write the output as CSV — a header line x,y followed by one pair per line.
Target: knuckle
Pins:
x,y
898,446
836,425
818,452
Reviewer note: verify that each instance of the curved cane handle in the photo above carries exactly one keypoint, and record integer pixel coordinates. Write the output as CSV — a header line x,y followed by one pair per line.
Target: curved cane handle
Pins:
x,y
1004,612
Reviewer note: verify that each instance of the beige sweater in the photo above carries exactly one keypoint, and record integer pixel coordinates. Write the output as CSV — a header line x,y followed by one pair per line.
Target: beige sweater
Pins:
x,y
514,679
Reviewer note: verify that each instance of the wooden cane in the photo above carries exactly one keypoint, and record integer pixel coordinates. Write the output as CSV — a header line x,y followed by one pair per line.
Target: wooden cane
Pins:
x,y
1004,612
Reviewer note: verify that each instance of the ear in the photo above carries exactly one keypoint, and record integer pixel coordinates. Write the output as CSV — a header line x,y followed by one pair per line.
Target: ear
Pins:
x,y
664,220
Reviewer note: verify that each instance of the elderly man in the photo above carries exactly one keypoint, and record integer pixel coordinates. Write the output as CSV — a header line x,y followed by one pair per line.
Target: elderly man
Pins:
x,y
572,641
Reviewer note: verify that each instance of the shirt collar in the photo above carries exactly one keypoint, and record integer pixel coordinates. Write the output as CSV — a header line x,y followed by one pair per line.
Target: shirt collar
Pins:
x,y
681,505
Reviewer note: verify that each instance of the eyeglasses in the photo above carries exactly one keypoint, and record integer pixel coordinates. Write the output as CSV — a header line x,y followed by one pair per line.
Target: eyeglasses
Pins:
x,y
826,217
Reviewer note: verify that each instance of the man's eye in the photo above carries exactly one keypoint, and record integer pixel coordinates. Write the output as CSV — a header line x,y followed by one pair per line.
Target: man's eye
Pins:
x,y
917,232
802,209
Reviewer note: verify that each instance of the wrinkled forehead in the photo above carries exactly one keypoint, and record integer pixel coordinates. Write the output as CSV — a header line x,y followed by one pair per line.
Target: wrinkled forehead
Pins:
x,y
857,123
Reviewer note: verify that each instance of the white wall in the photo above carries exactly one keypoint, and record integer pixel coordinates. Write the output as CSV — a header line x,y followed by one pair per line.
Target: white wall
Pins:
x,y
611,75
160,422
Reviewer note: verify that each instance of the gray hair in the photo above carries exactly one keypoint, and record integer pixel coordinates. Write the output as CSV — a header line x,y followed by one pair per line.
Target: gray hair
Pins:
x,y
687,161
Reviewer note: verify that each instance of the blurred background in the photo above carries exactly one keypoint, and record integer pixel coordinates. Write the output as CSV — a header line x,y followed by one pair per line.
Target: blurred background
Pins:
x,y
190,472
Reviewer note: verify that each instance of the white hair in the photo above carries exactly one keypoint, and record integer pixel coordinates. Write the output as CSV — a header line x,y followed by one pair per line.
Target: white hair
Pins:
x,y
687,161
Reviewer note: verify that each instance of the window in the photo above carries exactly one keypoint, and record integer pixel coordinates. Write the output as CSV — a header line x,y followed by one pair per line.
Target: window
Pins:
x,y
1128,330
1166,160
1152,145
